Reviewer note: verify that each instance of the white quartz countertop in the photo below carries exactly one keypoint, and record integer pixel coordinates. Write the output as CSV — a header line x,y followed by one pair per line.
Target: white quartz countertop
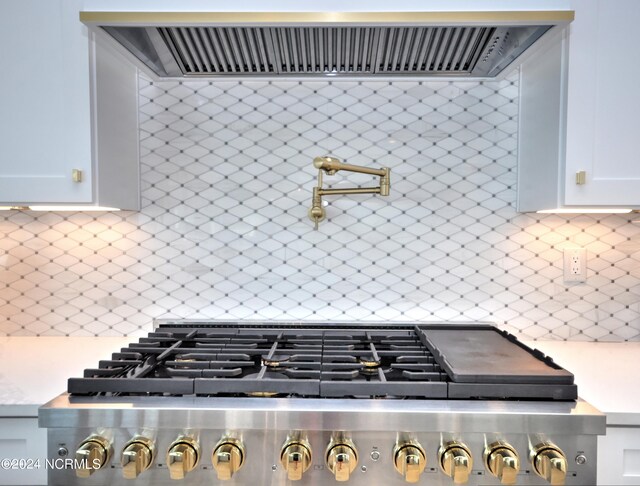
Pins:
x,y
34,370
607,375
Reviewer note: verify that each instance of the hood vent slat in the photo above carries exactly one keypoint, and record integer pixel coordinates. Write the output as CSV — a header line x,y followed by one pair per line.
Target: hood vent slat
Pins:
x,y
326,50
206,51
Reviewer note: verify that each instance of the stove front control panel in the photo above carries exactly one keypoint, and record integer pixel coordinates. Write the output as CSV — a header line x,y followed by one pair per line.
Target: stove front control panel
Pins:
x,y
279,457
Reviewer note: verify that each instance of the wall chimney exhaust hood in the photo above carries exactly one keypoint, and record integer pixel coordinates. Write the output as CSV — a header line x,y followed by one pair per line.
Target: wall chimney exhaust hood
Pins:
x,y
319,44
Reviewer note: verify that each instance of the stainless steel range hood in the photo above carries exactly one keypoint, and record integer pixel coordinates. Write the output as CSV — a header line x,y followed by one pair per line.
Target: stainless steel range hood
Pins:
x,y
305,44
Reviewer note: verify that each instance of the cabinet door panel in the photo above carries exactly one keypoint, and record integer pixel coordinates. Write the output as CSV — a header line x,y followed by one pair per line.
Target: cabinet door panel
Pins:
x,y
44,94
619,456
604,104
20,438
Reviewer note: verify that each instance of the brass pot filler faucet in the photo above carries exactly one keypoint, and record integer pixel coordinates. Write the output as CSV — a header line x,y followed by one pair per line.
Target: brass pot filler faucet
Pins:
x,y
332,165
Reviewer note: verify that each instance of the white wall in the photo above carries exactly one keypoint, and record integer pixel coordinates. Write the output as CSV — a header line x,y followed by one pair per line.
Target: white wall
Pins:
x,y
224,233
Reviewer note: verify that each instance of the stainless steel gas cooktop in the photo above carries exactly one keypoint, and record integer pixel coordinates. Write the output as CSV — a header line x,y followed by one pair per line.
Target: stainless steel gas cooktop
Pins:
x,y
371,403
321,360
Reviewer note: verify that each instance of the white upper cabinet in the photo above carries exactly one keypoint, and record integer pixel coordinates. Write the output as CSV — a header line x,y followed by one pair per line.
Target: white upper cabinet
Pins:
x,y
603,109
579,113
54,120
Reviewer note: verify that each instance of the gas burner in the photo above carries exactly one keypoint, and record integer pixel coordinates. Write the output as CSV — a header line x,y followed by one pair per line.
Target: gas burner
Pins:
x,y
266,376
264,394
370,363
275,361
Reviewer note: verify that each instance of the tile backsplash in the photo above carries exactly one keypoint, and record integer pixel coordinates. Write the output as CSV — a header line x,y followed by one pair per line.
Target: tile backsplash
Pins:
x,y
223,231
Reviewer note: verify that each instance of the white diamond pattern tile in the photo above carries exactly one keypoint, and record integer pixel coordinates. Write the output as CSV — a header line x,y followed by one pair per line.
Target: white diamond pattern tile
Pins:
x,y
223,232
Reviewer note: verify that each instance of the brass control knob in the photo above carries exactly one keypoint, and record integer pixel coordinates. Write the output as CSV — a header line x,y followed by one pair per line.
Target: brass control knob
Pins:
x,y
409,459
296,458
137,456
342,458
502,461
228,457
549,462
92,454
182,457
456,461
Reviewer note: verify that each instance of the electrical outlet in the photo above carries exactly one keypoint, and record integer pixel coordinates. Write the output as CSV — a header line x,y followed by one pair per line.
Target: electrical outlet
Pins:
x,y
575,264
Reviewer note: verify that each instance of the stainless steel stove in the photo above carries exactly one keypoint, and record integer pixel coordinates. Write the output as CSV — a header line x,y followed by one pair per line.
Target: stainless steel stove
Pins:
x,y
315,403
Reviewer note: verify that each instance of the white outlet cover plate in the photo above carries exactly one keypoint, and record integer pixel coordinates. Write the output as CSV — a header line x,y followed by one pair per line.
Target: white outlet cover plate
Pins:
x,y
575,264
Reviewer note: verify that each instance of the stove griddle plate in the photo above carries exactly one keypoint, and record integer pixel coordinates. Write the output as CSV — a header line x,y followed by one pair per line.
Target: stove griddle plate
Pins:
x,y
477,357
286,359
483,354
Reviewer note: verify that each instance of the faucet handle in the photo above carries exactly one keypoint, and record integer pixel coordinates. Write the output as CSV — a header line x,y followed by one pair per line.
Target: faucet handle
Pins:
x,y
316,212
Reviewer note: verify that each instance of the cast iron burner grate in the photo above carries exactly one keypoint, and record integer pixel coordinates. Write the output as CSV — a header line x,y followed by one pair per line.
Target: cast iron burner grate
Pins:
x,y
289,360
